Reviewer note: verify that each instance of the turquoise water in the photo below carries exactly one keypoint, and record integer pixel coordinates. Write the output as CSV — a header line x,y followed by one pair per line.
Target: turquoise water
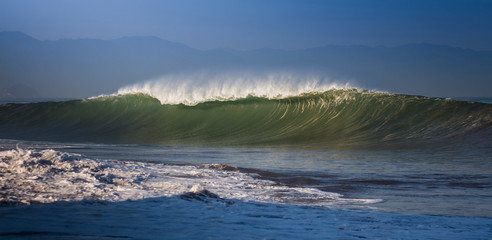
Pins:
x,y
335,119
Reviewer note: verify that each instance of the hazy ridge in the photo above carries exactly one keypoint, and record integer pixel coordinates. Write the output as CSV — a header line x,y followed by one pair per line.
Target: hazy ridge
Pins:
x,y
89,67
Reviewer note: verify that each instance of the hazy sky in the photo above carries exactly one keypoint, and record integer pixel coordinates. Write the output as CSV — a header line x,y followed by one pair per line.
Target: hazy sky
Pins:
x,y
249,24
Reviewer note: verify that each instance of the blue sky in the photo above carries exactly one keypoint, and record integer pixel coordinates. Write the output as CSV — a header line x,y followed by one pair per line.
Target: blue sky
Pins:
x,y
250,24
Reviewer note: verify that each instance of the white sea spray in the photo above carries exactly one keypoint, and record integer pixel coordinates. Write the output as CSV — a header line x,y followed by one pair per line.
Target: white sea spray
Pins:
x,y
191,89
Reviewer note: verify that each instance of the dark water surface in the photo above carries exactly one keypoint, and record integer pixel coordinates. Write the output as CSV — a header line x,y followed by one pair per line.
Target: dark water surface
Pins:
x,y
448,182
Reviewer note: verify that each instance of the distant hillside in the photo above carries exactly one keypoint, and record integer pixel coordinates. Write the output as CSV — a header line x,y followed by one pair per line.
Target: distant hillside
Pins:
x,y
17,91
89,67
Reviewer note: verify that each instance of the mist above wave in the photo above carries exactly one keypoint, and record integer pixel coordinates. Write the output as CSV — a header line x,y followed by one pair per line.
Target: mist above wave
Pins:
x,y
192,89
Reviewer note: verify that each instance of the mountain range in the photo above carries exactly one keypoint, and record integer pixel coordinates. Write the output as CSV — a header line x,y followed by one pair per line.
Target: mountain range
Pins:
x,y
78,68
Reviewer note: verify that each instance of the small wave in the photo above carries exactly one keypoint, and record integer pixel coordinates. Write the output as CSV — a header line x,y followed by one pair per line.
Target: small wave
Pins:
x,y
32,176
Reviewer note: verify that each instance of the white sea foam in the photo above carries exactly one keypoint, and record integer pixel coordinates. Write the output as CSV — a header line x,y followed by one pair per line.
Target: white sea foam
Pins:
x,y
46,176
31,175
191,89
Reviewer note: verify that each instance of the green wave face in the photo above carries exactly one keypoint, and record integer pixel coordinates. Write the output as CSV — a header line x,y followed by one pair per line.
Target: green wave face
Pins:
x,y
329,120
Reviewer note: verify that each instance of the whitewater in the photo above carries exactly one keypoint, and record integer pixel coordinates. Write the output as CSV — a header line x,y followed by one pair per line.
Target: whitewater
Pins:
x,y
192,89
246,156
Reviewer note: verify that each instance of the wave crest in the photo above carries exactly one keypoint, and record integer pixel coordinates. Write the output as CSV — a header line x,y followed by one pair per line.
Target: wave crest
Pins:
x,y
193,89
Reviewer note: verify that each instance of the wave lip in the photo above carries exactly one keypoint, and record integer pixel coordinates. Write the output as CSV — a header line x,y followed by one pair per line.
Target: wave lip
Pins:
x,y
199,88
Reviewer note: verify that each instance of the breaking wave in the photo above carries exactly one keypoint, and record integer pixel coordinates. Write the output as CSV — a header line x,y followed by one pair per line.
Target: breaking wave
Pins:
x,y
336,118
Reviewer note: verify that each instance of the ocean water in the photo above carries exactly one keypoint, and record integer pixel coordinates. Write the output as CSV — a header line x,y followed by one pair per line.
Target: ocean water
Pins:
x,y
317,163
